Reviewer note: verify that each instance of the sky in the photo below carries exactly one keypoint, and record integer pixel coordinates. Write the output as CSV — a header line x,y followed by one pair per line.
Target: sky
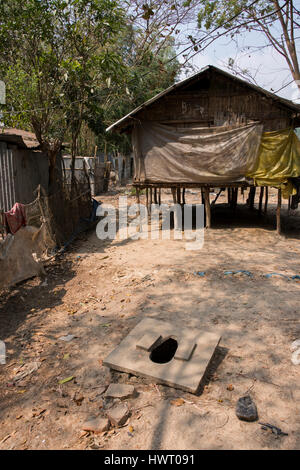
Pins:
x,y
266,65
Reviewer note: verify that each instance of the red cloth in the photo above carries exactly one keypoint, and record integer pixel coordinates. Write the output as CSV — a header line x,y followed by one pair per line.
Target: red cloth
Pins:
x,y
15,218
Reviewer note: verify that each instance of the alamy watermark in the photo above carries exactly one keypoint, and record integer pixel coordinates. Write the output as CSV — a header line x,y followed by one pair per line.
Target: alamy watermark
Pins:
x,y
180,222
2,92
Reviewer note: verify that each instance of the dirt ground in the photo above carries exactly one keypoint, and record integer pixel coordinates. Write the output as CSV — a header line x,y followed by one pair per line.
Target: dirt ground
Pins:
x,y
99,290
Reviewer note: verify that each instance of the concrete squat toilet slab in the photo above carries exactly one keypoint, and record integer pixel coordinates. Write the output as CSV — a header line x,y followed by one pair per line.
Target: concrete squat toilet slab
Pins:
x,y
167,354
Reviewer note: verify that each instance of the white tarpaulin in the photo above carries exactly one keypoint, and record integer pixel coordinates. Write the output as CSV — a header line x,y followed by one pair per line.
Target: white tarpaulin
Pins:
x,y
165,153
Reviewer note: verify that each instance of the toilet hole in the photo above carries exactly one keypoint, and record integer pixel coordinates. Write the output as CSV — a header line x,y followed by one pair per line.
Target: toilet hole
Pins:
x,y
165,351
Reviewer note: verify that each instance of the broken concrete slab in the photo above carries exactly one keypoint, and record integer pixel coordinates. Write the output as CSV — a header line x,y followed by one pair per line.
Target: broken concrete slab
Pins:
x,y
96,424
185,349
184,374
148,341
121,391
118,415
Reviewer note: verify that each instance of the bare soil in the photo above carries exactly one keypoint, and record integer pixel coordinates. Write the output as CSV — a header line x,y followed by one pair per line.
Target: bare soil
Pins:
x,y
99,290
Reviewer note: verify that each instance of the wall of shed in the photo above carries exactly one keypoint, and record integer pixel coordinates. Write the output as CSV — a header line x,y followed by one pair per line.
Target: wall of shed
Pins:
x,y
21,171
215,101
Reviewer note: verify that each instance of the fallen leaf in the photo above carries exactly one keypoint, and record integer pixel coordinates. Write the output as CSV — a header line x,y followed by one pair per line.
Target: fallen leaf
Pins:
x,y
177,402
63,381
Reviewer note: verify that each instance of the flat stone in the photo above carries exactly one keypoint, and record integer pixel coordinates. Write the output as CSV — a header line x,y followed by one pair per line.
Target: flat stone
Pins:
x,y
118,415
121,391
246,409
96,424
185,370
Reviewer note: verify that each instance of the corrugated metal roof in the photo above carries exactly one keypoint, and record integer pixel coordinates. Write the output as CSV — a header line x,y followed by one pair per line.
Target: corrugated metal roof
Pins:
x,y
23,139
287,103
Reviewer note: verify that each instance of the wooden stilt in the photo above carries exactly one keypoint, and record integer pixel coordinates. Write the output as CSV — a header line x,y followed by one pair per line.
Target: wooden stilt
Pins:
x,y
178,196
183,196
236,195
159,196
261,195
233,197
147,199
278,210
174,194
207,208
252,197
202,196
266,199
151,200
137,193
229,196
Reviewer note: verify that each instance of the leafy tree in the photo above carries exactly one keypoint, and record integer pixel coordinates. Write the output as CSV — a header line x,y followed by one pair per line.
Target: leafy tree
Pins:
x,y
147,71
55,55
276,19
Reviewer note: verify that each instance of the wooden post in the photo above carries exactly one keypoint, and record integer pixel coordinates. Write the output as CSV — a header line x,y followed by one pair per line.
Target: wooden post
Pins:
x,y
233,197
207,208
137,192
183,196
147,199
178,196
159,196
202,196
278,221
229,196
174,194
266,199
261,195
252,197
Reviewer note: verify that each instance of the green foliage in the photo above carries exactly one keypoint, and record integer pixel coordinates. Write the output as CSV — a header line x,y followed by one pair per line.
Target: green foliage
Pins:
x,y
219,13
66,62
54,55
145,74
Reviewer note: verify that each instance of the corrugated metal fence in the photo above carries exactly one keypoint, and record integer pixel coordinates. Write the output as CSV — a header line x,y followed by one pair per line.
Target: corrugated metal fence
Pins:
x,y
7,178
21,171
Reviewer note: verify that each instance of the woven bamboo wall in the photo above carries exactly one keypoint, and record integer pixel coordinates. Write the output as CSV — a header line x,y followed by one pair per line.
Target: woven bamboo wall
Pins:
x,y
215,100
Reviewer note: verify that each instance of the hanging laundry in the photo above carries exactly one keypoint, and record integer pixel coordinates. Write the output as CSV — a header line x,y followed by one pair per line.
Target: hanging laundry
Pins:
x,y
15,218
